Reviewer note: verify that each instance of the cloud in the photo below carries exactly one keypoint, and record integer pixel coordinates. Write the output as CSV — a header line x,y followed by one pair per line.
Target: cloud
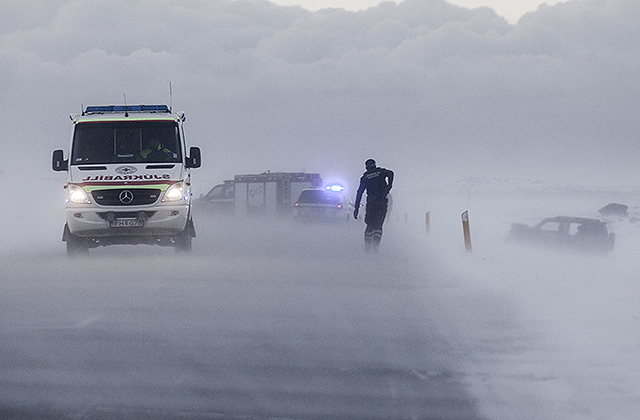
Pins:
x,y
434,90
592,23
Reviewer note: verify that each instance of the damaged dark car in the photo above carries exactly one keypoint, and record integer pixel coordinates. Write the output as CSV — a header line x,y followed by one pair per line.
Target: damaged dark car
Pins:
x,y
577,233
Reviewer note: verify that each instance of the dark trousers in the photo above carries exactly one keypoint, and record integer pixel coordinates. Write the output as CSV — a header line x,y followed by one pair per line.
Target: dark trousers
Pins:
x,y
374,219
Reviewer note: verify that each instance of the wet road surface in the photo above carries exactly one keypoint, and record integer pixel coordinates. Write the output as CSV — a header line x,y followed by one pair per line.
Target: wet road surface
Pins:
x,y
261,321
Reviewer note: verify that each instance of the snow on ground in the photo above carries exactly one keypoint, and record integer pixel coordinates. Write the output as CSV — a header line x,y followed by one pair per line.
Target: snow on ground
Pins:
x,y
546,334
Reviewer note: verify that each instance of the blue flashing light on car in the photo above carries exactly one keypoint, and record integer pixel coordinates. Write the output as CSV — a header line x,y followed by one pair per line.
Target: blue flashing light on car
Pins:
x,y
329,202
335,187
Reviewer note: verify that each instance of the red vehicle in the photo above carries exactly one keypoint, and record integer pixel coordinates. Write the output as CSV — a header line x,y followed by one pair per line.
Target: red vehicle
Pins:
x,y
268,193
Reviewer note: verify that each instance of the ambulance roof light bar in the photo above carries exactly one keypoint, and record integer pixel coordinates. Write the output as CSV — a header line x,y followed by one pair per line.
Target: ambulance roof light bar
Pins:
x,y
105,109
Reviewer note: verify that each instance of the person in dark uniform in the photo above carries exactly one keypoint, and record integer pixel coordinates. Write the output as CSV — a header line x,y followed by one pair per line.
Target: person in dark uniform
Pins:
x,y
377,182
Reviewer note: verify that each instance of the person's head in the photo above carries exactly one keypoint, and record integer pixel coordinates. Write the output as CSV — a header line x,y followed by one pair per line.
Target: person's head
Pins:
x,y
154,144
370,164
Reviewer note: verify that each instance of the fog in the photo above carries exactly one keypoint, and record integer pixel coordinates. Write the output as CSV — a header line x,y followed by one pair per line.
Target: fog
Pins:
x,y
532,332
437,92
539,324
512,122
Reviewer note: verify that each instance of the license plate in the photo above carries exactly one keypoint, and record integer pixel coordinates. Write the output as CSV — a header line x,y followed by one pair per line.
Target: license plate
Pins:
x,y
124,223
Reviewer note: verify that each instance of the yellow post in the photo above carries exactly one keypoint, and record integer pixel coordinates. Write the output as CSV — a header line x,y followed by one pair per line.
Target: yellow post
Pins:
x,y
427,222
465,229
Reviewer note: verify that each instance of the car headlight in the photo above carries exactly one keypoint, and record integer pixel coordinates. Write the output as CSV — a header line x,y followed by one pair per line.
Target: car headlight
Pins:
x,y
174,193
77,195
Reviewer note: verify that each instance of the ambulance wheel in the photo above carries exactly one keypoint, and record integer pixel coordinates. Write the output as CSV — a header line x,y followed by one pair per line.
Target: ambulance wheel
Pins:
x,y
182,242
76,246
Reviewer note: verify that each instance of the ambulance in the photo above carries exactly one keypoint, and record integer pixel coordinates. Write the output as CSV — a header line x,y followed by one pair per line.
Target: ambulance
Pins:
x,y
128,178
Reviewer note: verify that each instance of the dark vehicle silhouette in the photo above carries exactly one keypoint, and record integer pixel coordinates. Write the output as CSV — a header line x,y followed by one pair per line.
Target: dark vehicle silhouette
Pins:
x,y
578,233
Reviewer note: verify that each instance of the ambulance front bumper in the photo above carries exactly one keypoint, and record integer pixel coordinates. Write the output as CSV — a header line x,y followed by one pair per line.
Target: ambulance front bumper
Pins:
x,y
134,221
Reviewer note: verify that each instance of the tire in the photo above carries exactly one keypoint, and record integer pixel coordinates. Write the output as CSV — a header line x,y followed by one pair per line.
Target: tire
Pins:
x,y
75,245
182,241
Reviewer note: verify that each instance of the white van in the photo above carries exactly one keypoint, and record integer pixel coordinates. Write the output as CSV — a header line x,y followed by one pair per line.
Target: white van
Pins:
x,y
128,178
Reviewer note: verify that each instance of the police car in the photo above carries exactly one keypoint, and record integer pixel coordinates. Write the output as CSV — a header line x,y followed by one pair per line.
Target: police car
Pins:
x,y
329,203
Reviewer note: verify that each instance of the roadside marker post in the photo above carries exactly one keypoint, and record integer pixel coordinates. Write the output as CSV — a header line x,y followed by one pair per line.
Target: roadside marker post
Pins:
x,y
427,222
465,229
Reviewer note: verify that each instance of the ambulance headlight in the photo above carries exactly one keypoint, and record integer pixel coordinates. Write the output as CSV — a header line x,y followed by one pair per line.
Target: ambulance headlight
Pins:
x,y
77,195
174,193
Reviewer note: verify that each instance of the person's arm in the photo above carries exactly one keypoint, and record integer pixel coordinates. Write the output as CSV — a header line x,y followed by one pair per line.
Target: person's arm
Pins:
x,y
389,180
359,193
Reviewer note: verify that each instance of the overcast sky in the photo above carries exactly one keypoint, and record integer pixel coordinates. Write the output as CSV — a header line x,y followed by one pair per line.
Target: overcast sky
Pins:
x,y
511,10
436,91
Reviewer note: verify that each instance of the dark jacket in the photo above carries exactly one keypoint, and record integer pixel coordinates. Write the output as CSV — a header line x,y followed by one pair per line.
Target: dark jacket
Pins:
x,y
377,182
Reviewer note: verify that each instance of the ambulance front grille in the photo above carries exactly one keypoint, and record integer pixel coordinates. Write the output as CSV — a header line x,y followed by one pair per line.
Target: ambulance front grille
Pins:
x,y
126,196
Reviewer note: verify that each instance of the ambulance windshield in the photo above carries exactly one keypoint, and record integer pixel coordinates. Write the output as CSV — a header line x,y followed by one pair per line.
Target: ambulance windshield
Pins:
x,y
126,142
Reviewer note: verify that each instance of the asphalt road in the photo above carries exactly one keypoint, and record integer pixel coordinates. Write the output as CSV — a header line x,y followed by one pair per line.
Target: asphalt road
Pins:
x,y
262,321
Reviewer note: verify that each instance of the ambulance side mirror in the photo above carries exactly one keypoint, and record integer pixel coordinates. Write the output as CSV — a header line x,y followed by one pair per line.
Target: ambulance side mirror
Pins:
x,y
58,163
194,160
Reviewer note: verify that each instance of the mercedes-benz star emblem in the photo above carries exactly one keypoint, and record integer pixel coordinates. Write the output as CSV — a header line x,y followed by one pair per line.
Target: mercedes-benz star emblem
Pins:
x,y
126,197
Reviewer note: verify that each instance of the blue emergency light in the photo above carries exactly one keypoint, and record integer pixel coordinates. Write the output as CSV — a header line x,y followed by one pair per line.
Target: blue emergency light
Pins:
x,y
126,108
335,187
